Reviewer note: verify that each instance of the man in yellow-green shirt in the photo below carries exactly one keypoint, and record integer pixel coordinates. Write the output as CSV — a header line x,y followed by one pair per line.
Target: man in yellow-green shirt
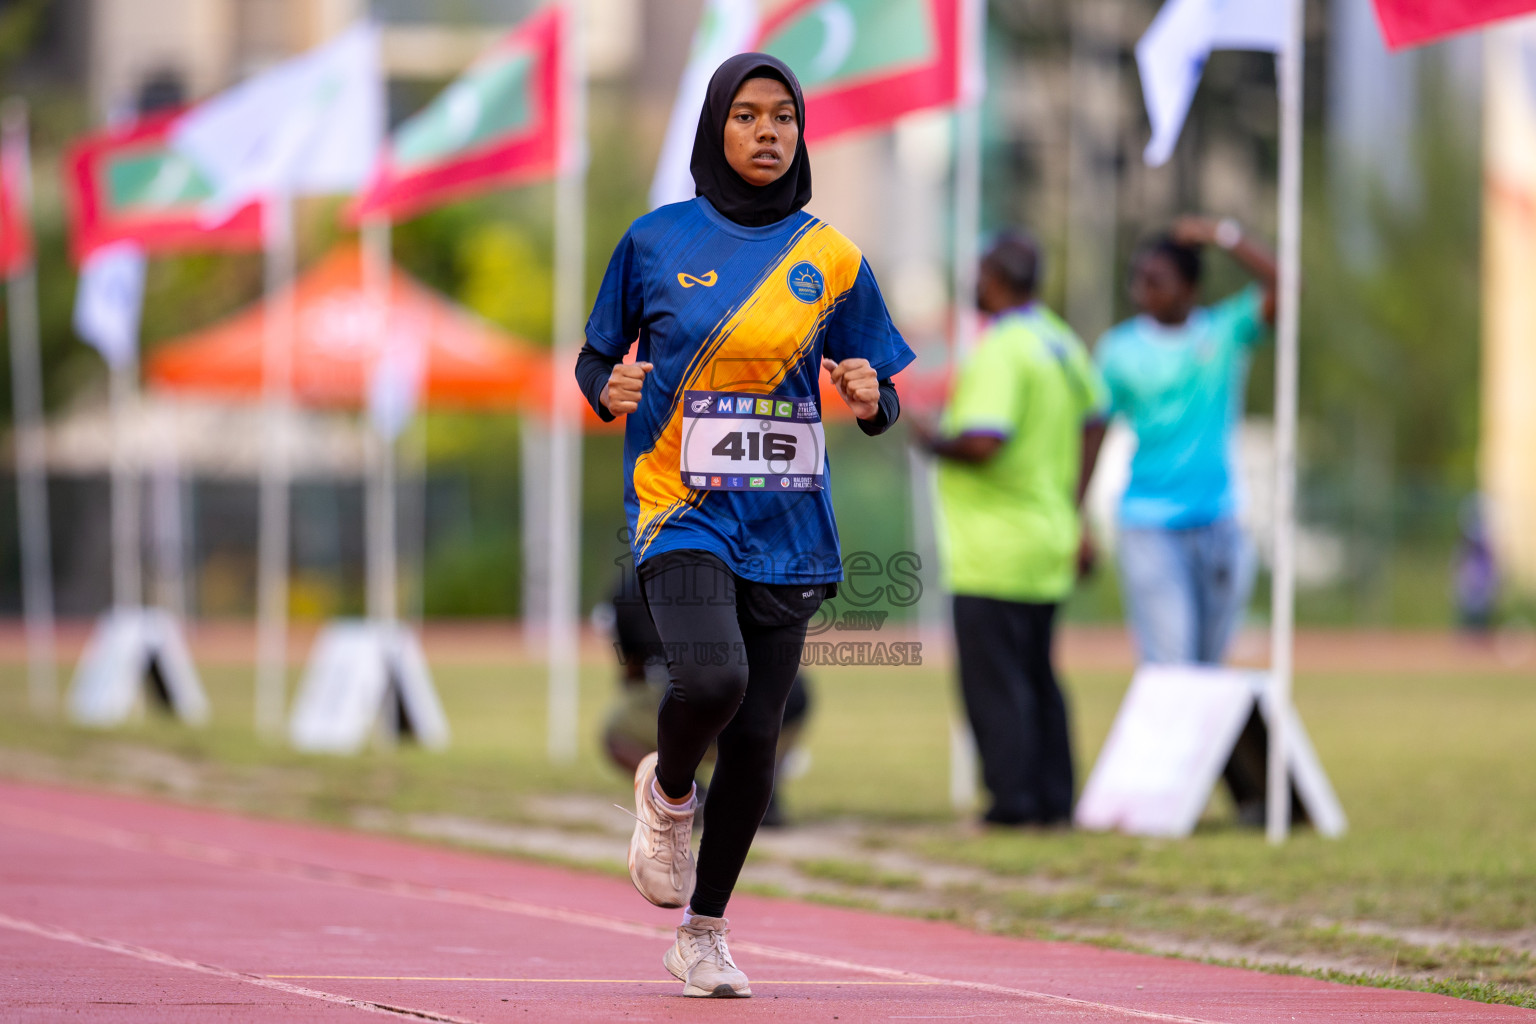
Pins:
x,y
1016,445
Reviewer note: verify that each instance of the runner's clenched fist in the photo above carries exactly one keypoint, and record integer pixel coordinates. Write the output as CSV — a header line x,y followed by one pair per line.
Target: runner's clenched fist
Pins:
x,y
857,384
622,392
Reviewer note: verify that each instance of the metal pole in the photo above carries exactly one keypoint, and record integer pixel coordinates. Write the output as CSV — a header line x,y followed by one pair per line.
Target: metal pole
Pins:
x,y
413,541
168,520
565,432
1091,188
533,466
277,402
967,200
1283,594
127,589
382,603
31,446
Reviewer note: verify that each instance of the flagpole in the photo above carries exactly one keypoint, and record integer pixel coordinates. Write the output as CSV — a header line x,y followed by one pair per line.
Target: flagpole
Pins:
x,y
277,402
967,245
967,198
1091,189
31,445
565,433
533,479
127,589
382,603
1283,593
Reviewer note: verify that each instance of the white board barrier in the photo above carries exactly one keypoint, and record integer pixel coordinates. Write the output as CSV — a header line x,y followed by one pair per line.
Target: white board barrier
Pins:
x,y
135,654
1174,732
366,679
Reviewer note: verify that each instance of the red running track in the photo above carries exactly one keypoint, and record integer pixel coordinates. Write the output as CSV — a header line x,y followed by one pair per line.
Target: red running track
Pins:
x,y
115,909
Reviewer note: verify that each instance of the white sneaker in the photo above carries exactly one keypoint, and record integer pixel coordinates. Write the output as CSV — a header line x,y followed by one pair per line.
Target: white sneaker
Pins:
x,y
700,960
660,862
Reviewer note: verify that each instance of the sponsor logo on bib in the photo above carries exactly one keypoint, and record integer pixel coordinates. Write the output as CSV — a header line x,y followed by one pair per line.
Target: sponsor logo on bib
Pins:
x,y
806,282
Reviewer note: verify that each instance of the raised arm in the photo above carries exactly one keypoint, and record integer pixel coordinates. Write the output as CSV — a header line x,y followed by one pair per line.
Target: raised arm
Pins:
x,y
1251,254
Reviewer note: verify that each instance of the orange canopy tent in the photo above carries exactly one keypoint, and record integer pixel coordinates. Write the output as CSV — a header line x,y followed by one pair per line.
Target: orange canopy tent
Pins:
x,y
340,335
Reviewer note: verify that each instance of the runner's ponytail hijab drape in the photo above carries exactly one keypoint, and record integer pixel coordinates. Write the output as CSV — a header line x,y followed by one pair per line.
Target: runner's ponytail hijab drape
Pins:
x,y
728,192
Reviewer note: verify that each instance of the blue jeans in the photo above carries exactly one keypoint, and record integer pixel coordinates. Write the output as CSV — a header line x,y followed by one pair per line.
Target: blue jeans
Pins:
x,y
1185,590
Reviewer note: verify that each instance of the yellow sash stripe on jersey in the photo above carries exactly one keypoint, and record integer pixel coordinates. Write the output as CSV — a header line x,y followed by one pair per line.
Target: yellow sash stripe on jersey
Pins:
x,y
750,350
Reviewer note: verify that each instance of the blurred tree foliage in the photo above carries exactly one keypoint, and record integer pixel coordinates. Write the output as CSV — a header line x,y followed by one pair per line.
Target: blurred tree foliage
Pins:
x,y
20,22
1397,339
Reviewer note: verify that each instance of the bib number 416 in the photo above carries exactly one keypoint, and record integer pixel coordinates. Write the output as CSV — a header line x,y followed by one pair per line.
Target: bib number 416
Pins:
x,y
752,446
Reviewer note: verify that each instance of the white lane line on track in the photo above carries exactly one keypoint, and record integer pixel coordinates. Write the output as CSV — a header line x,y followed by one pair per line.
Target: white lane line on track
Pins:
x,y
108,835
582,981
154,956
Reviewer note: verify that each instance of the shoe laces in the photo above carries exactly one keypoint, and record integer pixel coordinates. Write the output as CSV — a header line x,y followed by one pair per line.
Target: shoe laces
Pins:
x,y
681,831
709,944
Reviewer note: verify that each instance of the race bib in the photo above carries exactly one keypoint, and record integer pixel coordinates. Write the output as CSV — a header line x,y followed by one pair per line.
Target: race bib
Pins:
x,y
741,442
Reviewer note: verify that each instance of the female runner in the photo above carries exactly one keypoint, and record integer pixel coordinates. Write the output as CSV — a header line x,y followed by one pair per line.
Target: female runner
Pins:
x,y
738,300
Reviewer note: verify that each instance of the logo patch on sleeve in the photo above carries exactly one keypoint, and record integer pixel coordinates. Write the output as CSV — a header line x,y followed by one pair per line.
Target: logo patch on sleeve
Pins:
x,y
806,282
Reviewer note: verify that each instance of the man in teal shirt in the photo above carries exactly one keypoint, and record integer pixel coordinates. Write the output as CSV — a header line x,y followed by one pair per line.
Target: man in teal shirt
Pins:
x,y
1016,446
1176,373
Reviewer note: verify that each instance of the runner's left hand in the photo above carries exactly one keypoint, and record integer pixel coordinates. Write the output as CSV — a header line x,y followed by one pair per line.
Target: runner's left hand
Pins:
x,y
857,385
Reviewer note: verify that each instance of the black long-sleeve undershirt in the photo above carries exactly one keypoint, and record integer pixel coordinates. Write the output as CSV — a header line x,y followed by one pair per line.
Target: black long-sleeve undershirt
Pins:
x,y
593,369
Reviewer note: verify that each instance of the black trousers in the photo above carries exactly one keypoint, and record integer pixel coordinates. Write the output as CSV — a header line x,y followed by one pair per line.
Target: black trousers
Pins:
x,y
733,649
1015,707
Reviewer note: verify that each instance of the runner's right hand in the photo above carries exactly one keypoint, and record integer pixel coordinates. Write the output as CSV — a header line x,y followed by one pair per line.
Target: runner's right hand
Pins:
x,y
622,392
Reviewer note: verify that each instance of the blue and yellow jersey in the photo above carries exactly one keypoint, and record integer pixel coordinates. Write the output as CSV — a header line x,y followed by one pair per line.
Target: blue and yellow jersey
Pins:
x,y
722,308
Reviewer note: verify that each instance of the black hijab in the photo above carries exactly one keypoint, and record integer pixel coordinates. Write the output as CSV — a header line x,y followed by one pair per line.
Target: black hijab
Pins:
x,y
714,179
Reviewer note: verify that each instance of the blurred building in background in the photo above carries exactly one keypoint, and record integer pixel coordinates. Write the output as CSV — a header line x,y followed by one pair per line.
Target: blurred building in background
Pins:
x,y
152,53
1508,457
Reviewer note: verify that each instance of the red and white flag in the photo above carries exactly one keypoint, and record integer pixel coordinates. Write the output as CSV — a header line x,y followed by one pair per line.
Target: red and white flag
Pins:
x,y
1414,22
498,124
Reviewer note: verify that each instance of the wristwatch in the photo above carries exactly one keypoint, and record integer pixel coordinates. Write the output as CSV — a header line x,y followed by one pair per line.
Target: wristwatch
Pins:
x,y
1228,233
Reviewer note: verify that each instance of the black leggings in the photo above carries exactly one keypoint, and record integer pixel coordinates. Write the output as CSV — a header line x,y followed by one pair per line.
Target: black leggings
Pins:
x,y
733,648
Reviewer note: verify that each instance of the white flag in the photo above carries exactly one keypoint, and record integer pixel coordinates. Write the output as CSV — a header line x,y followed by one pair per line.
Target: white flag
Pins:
x,y
726,28
312,125
1172,55
108,300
